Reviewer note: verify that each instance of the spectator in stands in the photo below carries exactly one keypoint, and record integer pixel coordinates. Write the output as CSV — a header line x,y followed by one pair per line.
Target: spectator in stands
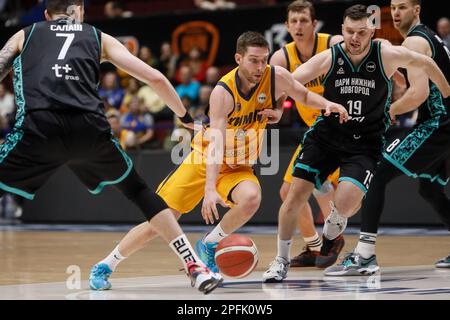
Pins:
x,y
188,86
7,106
443,29
167,61
130,92
120,134
214,4
116,10
197,64
139,123
199,113
35,14
154,104
180,133
146,55
2,5
212,76
110,90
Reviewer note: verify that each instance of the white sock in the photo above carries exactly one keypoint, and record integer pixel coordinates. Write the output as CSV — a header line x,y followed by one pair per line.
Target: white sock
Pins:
x,y
284,249
314,243
183,249
216,235
366,244
113,259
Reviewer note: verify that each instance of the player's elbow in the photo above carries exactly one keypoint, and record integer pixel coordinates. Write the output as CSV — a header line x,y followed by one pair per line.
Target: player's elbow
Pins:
x,y
419,95
155,78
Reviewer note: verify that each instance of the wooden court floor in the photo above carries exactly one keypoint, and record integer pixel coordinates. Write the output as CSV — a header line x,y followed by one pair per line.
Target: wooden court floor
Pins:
x,y
39,257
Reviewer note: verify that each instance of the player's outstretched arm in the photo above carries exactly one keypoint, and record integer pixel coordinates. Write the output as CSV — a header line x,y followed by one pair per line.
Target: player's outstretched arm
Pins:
x,y
221,104
414,96
287,85
317,66
9,52
114,52
401,57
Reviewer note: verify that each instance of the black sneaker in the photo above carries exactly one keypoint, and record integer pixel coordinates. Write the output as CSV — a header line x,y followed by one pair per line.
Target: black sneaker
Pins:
x,y
307,258
329,252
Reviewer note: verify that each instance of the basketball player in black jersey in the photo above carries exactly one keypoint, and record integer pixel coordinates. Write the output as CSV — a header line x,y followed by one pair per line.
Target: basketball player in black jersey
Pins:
x,y
358,75
60,120
422,152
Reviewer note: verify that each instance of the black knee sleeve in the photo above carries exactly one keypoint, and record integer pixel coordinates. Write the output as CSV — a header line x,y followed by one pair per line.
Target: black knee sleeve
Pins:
x,y
136,190
150,203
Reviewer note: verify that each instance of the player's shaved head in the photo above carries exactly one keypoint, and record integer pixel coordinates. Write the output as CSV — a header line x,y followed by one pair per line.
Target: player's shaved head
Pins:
x,y
61,6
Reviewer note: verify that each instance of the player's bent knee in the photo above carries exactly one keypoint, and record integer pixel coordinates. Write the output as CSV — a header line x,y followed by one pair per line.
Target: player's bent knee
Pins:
x,y
250,202
284,190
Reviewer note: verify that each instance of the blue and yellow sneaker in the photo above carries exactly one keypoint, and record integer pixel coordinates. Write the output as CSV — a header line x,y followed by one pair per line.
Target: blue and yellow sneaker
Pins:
x,y
98,279
206,252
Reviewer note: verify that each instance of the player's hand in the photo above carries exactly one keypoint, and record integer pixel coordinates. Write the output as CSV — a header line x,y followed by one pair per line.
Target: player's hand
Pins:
x,y
209,209
337,108
273,115
393,116
446,94
189,125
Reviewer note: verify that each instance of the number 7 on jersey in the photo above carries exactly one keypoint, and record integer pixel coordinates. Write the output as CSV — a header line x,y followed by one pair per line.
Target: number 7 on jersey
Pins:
x,y
69,38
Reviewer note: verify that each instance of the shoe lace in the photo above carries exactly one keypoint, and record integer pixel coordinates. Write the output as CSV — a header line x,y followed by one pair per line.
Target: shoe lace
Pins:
x,y
335,218
277,265
210,252
101,272
349,260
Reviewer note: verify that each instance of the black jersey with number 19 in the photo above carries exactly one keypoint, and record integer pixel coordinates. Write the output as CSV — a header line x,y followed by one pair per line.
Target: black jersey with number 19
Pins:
x,y
58,68
365,91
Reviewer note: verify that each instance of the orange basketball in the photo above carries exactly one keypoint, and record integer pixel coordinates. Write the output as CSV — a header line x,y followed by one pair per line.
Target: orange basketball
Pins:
x,y
236,256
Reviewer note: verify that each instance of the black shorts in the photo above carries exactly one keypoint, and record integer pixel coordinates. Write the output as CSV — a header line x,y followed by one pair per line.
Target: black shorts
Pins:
x,y
421,152
42,141
316,161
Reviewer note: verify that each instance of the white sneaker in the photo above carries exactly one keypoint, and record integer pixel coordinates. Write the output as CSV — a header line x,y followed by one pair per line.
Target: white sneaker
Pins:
x,y
202,278
335,224
277,271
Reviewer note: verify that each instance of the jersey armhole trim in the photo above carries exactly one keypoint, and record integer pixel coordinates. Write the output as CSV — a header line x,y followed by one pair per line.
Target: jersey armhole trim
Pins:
x,y
97,38
28,39
380,62
286,55
226,87
272,87
333,56
329,41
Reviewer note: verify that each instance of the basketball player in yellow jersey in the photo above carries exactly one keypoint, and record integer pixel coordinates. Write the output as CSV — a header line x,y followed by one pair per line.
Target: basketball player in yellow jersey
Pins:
x,y
301,24
243,102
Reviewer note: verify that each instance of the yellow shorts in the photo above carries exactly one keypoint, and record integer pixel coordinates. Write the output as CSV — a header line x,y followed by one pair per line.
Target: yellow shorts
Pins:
x,y
333,178
184,187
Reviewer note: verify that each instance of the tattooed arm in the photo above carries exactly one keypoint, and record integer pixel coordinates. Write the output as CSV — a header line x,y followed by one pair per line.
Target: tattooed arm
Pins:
x,y
9,52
